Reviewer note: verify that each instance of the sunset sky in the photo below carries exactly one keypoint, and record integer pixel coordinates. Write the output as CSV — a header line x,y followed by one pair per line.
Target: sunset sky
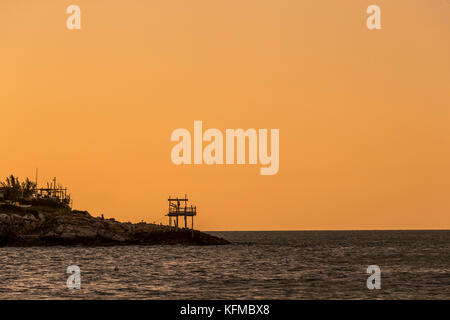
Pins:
x,y
364,116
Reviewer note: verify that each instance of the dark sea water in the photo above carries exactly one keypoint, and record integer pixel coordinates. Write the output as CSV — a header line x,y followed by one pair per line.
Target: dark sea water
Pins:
x,y
257,265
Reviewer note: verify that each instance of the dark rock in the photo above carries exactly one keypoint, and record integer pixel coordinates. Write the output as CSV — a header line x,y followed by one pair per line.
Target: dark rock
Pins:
x,y
43,226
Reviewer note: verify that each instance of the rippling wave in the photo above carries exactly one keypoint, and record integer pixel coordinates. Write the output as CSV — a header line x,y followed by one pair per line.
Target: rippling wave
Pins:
x,y
257,265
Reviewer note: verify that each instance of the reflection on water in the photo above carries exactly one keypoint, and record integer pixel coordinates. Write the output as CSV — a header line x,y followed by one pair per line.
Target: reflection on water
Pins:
x,y
258,265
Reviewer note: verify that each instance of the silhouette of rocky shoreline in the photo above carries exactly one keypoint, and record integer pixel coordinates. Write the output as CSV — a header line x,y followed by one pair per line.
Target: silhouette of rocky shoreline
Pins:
x,y
50,226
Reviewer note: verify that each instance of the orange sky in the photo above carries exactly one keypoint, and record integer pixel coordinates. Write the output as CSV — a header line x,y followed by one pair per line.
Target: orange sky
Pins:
x,y
363,115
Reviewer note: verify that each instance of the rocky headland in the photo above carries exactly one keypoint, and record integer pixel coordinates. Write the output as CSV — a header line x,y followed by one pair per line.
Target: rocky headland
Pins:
x,y
42,225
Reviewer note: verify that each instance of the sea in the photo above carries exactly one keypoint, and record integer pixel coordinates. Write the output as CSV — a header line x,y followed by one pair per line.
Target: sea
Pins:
x,y
256,265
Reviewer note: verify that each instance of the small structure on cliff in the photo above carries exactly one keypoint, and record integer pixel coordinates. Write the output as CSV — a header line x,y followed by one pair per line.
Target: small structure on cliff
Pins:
x,y
55,192
16,192
179,207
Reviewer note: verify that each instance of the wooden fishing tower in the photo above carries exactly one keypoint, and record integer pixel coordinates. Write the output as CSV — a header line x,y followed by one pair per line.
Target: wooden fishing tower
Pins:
x,y
176,209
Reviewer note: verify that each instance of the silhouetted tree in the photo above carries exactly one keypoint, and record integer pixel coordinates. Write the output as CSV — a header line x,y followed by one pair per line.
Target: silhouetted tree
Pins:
x,y
12,187
28,188
14,190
